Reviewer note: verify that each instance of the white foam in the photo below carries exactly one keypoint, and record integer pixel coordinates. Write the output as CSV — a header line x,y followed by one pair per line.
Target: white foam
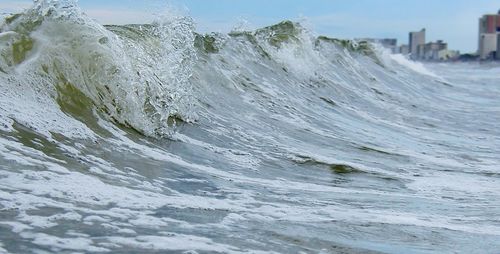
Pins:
x,y
174,242
412,65
58,243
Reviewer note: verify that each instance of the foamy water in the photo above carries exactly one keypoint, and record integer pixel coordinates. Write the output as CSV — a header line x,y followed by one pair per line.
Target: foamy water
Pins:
x,y
152,138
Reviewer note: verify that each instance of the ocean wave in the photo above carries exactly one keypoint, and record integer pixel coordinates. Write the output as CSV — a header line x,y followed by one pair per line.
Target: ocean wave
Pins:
x,y
63,56
57,50
153,138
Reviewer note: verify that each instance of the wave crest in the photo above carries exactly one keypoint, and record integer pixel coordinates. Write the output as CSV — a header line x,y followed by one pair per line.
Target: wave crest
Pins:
x,y
136,75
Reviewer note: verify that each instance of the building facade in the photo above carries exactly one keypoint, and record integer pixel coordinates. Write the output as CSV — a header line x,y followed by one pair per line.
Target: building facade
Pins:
x,y
404,49
431,50
415,40
420,55
488,46
489,28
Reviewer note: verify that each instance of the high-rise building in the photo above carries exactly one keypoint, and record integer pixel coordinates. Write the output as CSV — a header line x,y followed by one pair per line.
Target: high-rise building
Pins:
x,y
489,27
416,39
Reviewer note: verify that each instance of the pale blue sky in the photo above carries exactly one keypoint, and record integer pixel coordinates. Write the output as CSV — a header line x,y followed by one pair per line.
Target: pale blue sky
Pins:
x,y
455,21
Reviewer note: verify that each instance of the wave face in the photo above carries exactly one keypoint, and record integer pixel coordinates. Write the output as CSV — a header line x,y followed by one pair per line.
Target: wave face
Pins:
x,y
63,55
152,138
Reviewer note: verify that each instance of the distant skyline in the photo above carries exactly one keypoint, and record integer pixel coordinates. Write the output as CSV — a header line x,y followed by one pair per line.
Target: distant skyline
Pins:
x,y
454,21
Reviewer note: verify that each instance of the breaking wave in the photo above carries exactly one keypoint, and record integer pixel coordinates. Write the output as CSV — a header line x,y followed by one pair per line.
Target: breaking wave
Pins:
x,y
154,138
63,57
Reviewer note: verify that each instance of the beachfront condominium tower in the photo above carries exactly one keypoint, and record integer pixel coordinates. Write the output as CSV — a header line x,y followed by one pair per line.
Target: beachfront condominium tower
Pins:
x,y
416,39
489,28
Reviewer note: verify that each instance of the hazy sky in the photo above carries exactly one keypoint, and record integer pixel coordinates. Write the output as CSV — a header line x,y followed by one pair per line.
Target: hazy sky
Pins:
x,y
455,21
